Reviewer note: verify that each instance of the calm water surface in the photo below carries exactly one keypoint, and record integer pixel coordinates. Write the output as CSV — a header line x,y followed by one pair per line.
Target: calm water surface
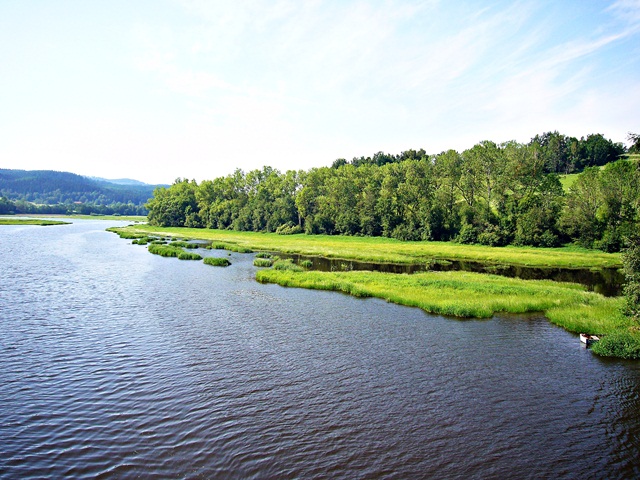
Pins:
x,y
115,363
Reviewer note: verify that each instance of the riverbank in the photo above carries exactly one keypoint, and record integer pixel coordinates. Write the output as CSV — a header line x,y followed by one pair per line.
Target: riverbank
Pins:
x,y
451,293
388,250
474,295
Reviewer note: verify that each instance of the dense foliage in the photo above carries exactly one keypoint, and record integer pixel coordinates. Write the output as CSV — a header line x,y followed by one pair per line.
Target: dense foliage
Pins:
x,y
50,192
631,259
489,194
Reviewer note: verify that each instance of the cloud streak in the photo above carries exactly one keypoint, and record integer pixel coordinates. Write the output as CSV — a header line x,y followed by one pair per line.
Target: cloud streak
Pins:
x,y
217,85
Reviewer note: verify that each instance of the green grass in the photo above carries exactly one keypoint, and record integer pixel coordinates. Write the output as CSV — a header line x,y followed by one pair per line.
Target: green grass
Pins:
x,y
381,250
465,294
262,262
622,344
124,218
30,221
567,180
169,251
217,262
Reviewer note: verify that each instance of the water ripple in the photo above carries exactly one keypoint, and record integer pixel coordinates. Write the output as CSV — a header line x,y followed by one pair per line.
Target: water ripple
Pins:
x,y
118,363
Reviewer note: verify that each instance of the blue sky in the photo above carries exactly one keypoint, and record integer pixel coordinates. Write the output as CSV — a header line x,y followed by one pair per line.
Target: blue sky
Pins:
x,y
155,90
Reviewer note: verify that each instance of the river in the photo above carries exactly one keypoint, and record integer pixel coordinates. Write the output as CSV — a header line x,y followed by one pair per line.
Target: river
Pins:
x,y
115,363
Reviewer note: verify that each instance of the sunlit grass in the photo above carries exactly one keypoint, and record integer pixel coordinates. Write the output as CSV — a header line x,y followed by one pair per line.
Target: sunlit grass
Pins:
x,y
465,294
169,251
379,249
217,261
30,221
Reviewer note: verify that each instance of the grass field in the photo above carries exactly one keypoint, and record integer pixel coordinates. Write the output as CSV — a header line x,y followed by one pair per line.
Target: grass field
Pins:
x,y
29,221
379,249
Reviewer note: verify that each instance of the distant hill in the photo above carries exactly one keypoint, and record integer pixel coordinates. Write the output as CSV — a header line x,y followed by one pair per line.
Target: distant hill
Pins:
x,y
48,187
120,181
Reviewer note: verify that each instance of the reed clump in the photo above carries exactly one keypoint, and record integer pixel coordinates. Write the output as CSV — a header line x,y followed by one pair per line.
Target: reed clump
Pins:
x,y
388,250
187,244
286,266
217,261
466,294
622,344
262,262
169,251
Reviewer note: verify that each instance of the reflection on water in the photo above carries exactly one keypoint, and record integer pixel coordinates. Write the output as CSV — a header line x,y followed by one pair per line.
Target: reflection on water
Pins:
x,y
118,363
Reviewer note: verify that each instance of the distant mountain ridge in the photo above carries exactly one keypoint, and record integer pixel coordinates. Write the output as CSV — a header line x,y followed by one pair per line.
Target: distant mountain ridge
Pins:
x,y
49,187
122,181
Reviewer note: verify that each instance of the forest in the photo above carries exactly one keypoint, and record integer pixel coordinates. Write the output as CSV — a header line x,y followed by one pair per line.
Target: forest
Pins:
x,y
51,192
491,194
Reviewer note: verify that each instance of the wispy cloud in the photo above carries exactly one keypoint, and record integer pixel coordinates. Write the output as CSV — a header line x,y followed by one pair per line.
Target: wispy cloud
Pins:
x,y
299,84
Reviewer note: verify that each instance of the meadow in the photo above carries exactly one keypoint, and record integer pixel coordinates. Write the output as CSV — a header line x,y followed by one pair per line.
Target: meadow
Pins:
x,y
30,221
388,250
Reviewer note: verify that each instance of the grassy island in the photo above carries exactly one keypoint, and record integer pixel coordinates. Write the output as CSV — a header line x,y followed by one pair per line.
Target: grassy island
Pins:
x,y
30,221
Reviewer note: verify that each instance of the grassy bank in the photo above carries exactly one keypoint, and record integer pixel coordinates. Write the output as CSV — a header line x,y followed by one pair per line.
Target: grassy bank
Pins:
x,y
465,294
29,221
378,249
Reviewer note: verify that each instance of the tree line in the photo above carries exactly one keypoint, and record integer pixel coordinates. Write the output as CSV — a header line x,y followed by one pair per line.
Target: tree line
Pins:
x,y
491,194
51,192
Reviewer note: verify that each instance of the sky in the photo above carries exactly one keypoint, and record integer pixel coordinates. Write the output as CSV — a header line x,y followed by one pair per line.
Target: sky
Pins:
x,y
164,89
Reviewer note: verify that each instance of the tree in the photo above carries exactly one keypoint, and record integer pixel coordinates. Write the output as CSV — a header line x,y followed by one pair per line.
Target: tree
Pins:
x,y
580,218
175,206
634,138
631,260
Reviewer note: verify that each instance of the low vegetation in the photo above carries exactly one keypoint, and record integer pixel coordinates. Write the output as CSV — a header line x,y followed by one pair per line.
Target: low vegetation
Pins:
x,y
262,262
455,293
169,251
465,294
217,261
386,250
30,221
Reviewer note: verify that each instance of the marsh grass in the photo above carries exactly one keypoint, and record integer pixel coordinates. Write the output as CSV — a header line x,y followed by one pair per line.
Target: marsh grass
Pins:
x,y
621,344
381,250
263,255
217,262
262,262
465,294
30,221
286,266
170,251
187,244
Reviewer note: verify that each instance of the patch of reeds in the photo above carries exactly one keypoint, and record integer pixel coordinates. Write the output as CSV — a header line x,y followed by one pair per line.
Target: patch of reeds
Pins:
x,y
217,262
170,251
125,234
189,256
306,264
263,255
186,244
622,344
286,266
30,221
262,262
466,294
387,250
238,249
